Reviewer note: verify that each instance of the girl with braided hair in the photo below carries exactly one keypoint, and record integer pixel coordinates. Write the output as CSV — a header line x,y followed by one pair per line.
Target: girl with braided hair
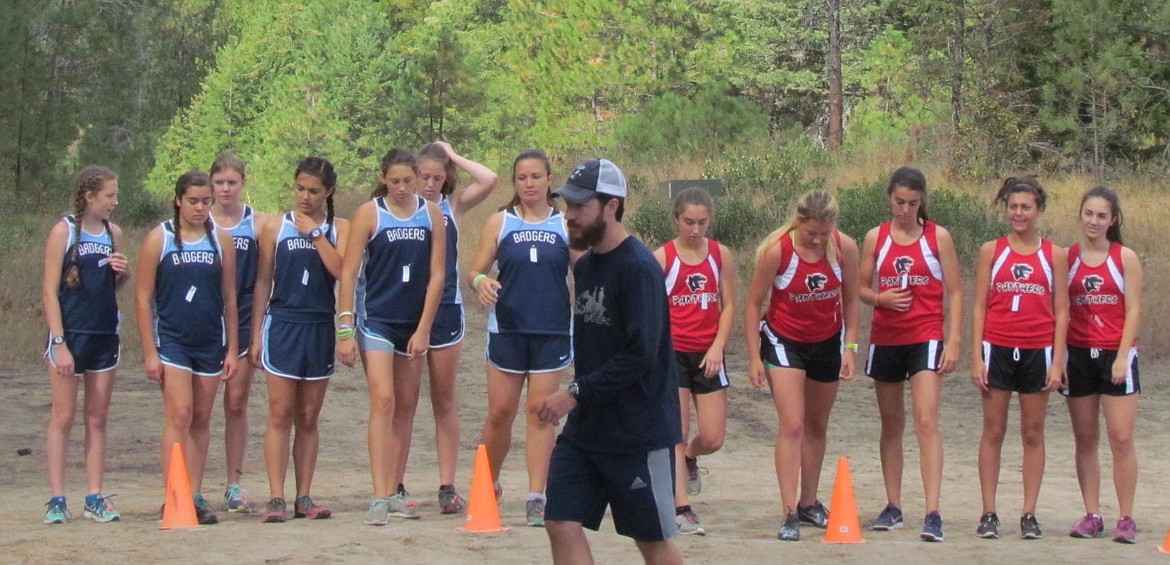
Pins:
x,y
187,320
83,271
300,260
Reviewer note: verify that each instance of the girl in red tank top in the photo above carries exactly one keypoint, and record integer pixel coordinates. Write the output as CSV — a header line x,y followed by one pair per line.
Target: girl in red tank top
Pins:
x,y
700,289
1105,293
1017,342
908,267
807,271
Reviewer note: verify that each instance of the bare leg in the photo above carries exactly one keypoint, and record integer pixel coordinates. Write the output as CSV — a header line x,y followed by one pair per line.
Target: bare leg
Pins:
x,y
926,390
681,496
542,436
380,380
444,368
204,390
995,410
407,383
235,424
64,398
569,545
1033,408
663,552
1120,418
1084,412
503,391
310,398
176,386
818,402
99,389
282,394
788,395
892,408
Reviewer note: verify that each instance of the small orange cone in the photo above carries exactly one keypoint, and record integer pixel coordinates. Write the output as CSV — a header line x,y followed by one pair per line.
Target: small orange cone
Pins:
x,y
179,510
483,513
844,527
1165,547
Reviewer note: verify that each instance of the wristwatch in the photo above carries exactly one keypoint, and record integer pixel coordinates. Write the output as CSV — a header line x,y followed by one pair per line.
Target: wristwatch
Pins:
x,y
575,390
316,232
57,339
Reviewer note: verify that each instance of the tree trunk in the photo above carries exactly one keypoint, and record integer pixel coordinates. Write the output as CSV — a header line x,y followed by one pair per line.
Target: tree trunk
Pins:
x,y
957,55
836,97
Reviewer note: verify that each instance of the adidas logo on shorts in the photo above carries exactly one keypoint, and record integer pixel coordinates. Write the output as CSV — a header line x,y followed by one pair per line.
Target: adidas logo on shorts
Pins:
x,y
637,484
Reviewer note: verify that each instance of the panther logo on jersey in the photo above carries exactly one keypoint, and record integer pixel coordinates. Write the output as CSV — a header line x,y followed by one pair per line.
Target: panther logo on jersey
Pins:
x,y
902,264
816,282
696,282
1092,283
1021,271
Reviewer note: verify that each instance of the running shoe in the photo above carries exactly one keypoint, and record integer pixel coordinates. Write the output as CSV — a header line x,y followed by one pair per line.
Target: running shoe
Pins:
x,y
304,507
56,512
203,512
889,519
688,523
379,512
449,501
815,515
101,510
988,526
1029,527
1091,526
235,498
1126,531
534,512
274,512
694,481
932,527
790,529
400,507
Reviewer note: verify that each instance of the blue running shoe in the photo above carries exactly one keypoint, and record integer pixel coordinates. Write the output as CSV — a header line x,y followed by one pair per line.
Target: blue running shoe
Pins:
x,y
932,527
889,519
101,510
57,512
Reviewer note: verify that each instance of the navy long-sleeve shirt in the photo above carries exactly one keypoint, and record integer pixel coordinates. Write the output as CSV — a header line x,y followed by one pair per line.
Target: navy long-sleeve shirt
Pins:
x,y
624,358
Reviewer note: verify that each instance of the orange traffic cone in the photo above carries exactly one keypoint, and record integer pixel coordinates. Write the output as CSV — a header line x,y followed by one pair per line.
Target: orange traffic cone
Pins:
x,y
179,510
844,527
1165,547
483,513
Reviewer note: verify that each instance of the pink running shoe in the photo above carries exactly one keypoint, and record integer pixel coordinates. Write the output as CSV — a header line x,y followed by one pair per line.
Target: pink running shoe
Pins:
x,y
304,507
273,512
1091,526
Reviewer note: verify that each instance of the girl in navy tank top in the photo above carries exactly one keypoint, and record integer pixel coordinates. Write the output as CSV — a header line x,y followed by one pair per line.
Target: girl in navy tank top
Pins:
x,y
1105,295
187,322
82,273
400,254
1020,318
299,262
438,167
228,181
528,297
914,264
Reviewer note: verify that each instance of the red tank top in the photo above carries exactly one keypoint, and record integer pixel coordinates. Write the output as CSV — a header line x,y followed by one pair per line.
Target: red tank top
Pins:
x,y
805,304
693,294
915,266
1096,298
1019,300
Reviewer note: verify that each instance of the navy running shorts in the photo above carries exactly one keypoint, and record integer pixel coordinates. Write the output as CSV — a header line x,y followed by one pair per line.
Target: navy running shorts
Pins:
x,y
529,353
447,329
244,337
1090,371
692,377
897,363
820,362
384,337
298,350
638,488
1016,369
92,353
202,361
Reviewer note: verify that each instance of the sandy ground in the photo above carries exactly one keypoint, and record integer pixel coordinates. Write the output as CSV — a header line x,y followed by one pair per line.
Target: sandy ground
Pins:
x,y
739,504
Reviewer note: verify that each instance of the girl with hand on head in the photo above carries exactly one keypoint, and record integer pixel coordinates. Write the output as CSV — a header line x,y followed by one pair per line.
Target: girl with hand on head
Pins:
x,y
1105,297
187,321
807,270
83,270
243,223
1017,343
299,263
914,264
529,325
700,287
398,248
438,167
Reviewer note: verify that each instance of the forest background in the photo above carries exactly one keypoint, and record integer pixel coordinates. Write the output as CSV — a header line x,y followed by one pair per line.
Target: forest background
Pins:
x,y
772,97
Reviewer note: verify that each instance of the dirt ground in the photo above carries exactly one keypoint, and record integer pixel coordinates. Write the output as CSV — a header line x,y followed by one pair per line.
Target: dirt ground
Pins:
x,y
739,504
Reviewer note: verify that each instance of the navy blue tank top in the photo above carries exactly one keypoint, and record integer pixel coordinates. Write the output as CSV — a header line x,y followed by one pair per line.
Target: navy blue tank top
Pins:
x,y
533,263
188,299
245,238
92,306
451,291
302,288
396,266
